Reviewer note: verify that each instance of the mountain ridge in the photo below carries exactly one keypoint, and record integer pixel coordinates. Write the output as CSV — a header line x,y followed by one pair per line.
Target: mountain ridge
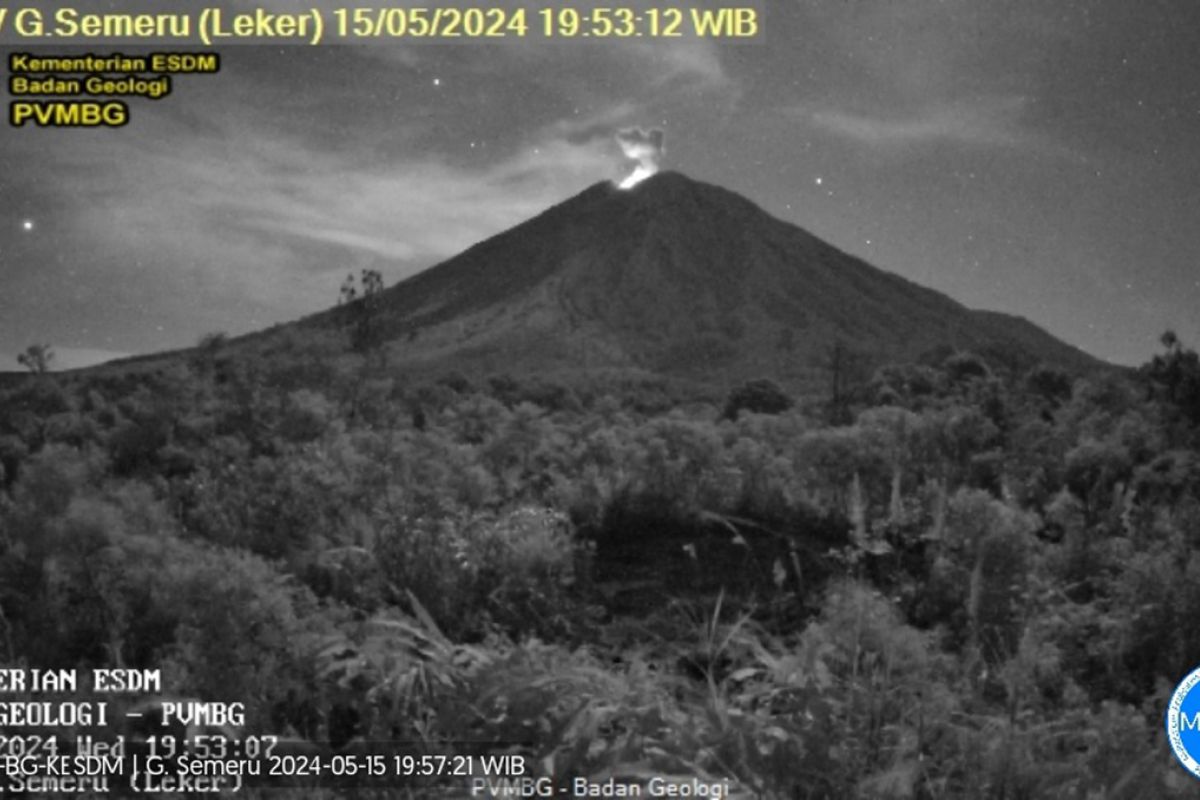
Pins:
x,y
674,277
681,277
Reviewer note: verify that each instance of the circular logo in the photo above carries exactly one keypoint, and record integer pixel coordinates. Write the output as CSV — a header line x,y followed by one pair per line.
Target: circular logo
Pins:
x,y
1183,722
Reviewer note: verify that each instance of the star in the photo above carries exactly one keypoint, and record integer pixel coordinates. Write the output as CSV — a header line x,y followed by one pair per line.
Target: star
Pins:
x,y
437,81
27,225
820,181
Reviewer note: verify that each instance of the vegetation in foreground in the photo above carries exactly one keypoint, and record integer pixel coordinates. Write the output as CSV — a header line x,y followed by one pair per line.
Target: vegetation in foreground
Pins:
x,y
984,585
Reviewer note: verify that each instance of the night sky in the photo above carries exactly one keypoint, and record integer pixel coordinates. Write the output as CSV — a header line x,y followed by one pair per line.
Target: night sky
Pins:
x,y
1039,158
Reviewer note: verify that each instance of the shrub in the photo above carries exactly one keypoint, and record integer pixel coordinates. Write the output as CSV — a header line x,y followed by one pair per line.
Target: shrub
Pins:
x,y
514,571
759,396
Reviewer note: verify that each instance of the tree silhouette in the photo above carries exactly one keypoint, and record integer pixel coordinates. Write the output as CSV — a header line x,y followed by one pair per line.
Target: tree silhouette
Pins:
x,y
349,292
36,358
1174,377
363,304
845,367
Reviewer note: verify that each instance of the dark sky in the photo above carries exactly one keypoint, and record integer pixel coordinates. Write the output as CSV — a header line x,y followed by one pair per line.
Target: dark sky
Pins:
x,y
1040,158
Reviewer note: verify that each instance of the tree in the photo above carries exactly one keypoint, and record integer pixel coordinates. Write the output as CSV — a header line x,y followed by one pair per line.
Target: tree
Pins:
x,y
363,304
1050,384
845,368
36,358
349,291
1174,377
965,367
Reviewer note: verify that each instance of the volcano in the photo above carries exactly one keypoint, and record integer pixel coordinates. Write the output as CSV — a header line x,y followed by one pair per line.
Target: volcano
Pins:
x,y
682,278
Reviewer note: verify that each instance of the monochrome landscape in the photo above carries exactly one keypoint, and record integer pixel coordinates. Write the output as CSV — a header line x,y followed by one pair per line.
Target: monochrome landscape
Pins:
x,y
658,473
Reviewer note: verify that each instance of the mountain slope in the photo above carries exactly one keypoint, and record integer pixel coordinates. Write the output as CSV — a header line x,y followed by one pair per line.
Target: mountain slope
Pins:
x,y
685,278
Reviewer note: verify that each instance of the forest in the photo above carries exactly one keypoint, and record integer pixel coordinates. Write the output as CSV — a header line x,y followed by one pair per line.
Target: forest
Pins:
x,y
955,578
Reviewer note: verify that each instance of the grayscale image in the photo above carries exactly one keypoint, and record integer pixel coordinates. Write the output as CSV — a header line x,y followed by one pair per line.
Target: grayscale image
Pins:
x,y
693,398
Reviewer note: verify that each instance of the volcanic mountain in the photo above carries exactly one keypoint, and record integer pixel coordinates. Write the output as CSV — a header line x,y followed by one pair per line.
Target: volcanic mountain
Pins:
x,y
683,278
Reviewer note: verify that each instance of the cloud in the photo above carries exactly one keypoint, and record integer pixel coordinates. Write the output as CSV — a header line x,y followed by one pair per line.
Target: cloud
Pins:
x,y
987,122
934,49
595,125
421,211
242,227
241,202
658,64
697,62
925,71
694,63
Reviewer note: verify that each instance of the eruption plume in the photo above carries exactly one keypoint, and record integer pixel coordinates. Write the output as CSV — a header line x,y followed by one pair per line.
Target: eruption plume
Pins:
x,y
644,147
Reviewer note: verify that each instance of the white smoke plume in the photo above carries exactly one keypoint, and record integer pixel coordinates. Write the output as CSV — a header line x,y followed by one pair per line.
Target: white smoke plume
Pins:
x,y
644,147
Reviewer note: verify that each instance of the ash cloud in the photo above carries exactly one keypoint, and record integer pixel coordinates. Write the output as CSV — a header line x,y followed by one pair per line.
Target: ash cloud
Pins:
x,y
645,147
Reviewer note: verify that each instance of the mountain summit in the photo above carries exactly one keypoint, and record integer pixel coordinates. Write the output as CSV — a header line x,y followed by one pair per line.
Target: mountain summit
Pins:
x,y
685,278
